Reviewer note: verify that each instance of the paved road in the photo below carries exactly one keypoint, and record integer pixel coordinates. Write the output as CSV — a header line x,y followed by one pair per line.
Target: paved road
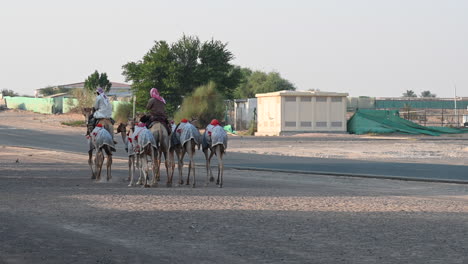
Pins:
x,y
76,142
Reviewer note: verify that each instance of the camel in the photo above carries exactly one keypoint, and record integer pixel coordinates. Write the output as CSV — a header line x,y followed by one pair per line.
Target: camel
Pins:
x,y
163,140
184,140
214,141
101,141
126,138
144,146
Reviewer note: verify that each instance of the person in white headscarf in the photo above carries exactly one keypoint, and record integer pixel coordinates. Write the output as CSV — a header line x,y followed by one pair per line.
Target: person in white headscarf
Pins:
x,y
102,106
103,110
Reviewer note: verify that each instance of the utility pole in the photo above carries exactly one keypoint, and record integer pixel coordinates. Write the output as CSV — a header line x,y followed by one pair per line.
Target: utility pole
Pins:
x,y
134,102
455,104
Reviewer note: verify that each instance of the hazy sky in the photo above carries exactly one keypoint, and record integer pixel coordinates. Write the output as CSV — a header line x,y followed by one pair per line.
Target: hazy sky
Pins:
x,y
362,47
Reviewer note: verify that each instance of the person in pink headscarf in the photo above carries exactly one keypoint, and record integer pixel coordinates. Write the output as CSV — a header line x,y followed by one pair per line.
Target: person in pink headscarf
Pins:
x,y
157,109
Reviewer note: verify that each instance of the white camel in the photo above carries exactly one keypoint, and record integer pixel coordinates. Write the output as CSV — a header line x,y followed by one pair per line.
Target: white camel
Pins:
x,y
184,140
127,140
144,146
101,141
215,141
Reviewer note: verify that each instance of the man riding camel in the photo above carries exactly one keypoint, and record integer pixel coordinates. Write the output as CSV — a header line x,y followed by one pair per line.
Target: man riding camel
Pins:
x,y
102,112
157,110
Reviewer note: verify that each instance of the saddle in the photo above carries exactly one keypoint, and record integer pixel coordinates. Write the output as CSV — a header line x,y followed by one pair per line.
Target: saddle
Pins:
x,y
150,120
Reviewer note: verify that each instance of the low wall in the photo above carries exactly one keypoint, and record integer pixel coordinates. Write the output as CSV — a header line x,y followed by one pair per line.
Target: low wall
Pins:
x,y
48,105
38,105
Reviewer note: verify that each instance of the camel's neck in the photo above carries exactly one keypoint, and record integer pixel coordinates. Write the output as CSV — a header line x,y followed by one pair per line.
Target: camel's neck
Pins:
x,y
124,137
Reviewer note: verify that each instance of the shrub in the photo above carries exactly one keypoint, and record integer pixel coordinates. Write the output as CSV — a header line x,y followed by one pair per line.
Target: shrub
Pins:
x,y
85,99
204,104
123,112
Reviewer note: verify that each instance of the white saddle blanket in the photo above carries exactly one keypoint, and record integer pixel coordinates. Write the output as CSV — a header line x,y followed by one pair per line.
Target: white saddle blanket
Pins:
x,y
141,138
130,150
215,135
188,132
101,137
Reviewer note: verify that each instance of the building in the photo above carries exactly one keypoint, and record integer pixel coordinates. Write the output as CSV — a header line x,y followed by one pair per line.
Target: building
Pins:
x,y
245,111
286,112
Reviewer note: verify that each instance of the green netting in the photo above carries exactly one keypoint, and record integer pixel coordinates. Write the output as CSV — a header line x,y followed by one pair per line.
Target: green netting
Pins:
x,y
366,121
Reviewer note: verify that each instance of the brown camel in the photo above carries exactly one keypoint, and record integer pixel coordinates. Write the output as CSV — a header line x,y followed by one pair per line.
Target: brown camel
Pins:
x,y
163,140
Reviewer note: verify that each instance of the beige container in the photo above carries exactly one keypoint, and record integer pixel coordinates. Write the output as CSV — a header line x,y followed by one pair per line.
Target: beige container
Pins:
x,y
288,112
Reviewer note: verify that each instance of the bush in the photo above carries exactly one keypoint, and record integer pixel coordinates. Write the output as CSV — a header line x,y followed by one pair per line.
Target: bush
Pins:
x,y
123,112
85,99
252,128
205,104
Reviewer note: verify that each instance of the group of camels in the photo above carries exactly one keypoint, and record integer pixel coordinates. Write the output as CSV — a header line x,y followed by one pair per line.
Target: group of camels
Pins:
x,y
150,145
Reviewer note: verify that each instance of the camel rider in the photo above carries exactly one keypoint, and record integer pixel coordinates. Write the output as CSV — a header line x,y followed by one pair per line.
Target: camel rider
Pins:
x,y
157,110
103,111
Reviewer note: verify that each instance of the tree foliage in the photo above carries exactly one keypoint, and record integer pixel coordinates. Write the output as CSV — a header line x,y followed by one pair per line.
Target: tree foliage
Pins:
x,y
427,94
96,80
50,90
205,104
409,93
260,82
177,69
7,92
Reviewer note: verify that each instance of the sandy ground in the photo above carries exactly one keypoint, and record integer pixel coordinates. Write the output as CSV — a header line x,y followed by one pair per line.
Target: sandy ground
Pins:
x,y
51,212
448,149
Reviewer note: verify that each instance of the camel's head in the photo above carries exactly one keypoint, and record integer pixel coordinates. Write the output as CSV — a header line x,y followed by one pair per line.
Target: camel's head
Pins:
x,y
87,111
122,128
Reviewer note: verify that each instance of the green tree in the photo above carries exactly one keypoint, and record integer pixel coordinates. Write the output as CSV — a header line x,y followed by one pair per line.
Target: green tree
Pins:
x,y
7,92
409,93
261,82
158,69
96,80
177,69
50,90
427,94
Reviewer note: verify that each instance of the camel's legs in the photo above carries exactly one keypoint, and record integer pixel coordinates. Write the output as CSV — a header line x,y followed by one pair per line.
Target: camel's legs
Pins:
x,y
90,163
190,149
99,162
155,170
171,164
144,159
158,163
167,163
219,154
140,169
180,156
130,168
131,164
209,173
109,166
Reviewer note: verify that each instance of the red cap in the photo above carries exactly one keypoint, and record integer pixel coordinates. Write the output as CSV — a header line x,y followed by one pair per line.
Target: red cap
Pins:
x,y
214,122
184,120
99,125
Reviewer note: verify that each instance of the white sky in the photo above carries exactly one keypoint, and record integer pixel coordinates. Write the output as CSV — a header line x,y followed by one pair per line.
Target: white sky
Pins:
x,y
363,47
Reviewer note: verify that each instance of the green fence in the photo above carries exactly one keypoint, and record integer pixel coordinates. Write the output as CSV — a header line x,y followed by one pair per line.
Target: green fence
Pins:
x,y
432,104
